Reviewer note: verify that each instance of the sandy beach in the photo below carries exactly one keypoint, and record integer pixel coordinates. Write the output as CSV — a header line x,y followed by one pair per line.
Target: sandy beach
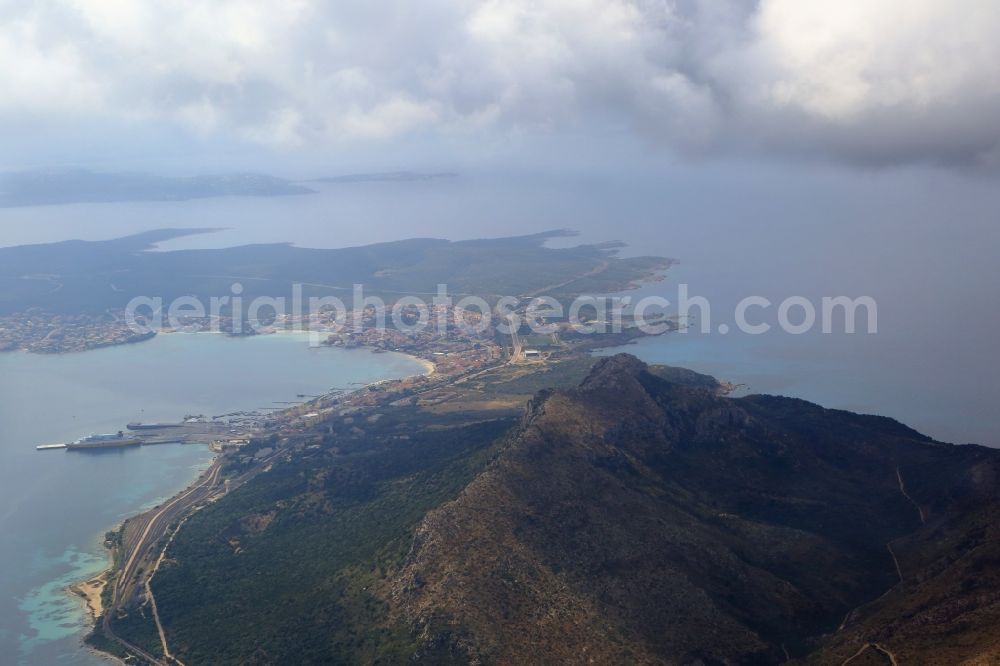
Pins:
x,y
90,591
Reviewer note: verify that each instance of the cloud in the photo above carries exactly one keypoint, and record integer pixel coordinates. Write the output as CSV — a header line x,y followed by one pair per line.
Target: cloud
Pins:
x,y
876,81
880,81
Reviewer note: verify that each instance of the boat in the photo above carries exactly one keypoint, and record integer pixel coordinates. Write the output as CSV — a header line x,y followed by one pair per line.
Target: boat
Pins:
x,y
152,426
104,441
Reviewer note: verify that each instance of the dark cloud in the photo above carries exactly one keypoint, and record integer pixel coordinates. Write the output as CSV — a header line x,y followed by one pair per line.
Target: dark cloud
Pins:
x,y
879,82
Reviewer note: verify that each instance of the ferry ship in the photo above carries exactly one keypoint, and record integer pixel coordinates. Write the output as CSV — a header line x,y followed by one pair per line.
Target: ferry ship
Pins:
x,y
104,441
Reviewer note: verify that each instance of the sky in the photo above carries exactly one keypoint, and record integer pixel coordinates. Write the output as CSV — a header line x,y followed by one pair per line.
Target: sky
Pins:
x,y
873,83
778,147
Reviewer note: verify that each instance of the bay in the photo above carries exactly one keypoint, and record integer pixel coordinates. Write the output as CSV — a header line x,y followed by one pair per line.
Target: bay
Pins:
x,y
56,505
922,242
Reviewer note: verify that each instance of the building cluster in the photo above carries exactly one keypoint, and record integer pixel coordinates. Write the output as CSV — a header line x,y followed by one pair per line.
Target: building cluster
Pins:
x,y
46,333
451,347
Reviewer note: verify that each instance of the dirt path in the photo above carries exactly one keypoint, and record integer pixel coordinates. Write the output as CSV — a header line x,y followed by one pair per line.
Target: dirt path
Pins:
x,y
902,489
874,646
152,598
899,571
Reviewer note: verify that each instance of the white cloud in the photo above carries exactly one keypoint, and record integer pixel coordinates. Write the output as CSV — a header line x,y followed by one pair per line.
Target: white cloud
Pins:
x,y
881,81
874,80
41,76
281,129
386,119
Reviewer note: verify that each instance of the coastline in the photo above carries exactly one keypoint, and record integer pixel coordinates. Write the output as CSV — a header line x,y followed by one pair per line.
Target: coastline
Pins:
x,y
445,368
89,591
445,378
429,366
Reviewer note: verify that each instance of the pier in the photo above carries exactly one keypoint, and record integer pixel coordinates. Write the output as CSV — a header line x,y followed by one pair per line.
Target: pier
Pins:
x,y
188,432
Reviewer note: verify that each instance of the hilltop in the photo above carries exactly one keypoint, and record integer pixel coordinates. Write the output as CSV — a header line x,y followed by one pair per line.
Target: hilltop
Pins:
x,y
632,514
635,520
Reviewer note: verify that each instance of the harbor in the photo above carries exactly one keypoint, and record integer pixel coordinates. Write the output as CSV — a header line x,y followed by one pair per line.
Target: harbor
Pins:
x,y
206,432
57,399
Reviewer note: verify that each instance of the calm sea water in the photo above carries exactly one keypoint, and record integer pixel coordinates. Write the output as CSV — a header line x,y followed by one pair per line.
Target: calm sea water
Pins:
x,y
922,243
56,505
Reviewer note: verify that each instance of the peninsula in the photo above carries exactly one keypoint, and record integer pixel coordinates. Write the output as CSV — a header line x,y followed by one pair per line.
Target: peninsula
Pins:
x,y
422,520
72,296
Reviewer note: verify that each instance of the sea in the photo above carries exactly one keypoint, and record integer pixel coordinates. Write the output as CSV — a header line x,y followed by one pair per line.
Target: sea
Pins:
x,y
922,243
55,506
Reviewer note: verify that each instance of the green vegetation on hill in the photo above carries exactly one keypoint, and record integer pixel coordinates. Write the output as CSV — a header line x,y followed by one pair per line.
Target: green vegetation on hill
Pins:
x,y
285,569
644,518
91,277
632,515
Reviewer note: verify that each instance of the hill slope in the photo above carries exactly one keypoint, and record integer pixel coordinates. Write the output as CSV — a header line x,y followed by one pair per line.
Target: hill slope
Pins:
x,y
634,520
634,516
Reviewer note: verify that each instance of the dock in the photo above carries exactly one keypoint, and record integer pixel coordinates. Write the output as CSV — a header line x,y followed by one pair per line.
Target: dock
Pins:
x,y
188,432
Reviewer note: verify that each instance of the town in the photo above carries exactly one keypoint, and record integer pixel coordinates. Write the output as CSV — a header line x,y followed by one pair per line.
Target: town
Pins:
x,y
47,333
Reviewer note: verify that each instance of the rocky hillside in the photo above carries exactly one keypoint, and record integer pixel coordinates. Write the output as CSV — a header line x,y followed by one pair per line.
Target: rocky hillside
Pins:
x,y
639,520
633,516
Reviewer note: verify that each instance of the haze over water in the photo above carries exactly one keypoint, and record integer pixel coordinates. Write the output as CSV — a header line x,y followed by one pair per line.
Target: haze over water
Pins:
x,y
922,242
56,505
776,149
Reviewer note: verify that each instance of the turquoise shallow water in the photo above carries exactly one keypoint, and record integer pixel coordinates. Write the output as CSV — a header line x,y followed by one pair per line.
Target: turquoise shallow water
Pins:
x,y
56,505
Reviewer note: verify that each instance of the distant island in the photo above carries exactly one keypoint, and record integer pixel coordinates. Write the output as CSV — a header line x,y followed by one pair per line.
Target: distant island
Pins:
x,y
49,187
387,177
68,186
70,296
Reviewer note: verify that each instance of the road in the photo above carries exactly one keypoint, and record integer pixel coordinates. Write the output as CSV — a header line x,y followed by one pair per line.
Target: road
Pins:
x,y
596,270
143,532
138,542
135,649
515,341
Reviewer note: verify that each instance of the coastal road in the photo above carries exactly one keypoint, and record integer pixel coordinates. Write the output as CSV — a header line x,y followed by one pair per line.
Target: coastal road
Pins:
x,y
142,533
135,649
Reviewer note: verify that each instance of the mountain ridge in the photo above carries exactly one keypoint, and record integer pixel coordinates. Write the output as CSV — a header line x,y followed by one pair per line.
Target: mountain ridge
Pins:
x,y
627,514
604,531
